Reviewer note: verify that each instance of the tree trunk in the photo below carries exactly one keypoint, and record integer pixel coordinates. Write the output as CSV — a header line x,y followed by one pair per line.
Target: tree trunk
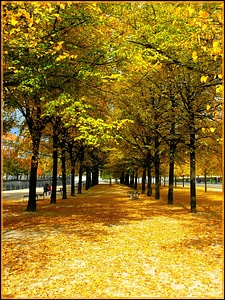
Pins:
x,y
205,178
54,175
80,180
33,174
63,160
122,178
88,178
72,180
171,175
81,159
192,173
55,168
143,181
127,177
72,190
32,185
95,173
132,179
157,170
135,180
149,192
73,158
172,145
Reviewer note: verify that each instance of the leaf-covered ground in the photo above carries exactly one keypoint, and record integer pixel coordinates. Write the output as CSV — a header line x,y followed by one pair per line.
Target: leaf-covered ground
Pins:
x,y
101,244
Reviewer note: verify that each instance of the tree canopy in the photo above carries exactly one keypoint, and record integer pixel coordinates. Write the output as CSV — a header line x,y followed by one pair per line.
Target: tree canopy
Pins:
x,y
142,79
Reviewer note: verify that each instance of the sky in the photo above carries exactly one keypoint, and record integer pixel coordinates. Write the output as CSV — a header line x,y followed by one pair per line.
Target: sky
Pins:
x,y
15,130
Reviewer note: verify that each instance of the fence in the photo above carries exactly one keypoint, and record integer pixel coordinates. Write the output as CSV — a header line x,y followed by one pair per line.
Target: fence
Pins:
x,y
9,185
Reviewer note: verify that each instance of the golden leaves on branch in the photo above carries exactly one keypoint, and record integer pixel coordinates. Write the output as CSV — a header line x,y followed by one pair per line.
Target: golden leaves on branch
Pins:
x,y
195,56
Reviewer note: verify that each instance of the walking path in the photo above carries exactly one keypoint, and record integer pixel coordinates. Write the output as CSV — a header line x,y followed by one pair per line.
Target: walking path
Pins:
x,y
101,244
18,194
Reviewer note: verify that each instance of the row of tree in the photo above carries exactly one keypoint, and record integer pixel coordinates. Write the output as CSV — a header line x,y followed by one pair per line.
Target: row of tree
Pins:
x,y
131,87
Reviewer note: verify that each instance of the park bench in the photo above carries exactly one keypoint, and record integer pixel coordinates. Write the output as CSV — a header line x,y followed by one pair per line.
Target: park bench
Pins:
x,y
38,196
46,193
77,184
133,194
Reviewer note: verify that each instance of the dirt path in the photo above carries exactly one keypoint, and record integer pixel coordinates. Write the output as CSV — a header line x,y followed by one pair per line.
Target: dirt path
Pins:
x,y
102,244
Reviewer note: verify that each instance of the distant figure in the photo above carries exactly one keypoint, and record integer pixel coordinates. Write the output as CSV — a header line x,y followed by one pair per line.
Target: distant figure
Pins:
x,y
47,188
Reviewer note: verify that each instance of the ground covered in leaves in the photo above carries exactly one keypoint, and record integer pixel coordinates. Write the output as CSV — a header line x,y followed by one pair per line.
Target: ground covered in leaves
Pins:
x,y
101,244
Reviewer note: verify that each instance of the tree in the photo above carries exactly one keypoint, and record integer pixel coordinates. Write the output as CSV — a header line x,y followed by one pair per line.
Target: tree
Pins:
x,y
30,86
96,60
187,48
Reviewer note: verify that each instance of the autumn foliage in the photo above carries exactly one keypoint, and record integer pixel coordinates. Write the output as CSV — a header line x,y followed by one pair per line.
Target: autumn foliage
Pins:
x,y
137,81
101,244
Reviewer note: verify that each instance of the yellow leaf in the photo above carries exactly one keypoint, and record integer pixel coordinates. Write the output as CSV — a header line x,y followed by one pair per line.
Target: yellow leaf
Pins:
x,y
59,46
220,76
204,79
65,54
216,48
208,106
14,22
203,14
219,89
219,17
204,27
215,44
204,48
73,56
60,57
212,129
195,56
190,10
